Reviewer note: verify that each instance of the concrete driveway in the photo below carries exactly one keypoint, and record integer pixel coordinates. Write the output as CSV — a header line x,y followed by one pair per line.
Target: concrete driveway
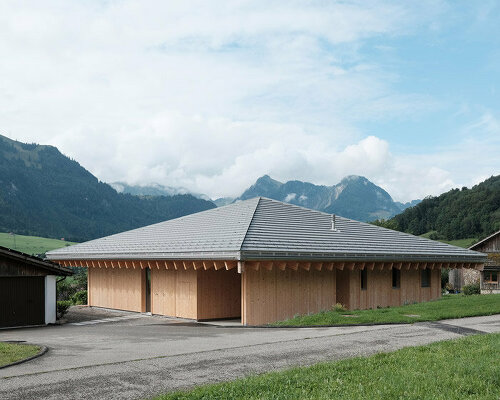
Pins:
x,y
133,356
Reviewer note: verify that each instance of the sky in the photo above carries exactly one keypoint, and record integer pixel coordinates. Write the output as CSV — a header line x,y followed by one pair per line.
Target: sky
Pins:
x,y
211,95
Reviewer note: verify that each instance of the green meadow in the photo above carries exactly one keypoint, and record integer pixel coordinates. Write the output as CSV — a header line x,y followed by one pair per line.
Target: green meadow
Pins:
x,y
466,368
31,244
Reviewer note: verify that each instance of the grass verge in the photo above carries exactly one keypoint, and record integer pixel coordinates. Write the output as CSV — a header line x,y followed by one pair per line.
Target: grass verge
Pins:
x,y
457,369
447,307
12,352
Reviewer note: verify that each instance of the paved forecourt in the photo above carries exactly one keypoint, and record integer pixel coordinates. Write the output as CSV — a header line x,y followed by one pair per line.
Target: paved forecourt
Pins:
x,y
132,358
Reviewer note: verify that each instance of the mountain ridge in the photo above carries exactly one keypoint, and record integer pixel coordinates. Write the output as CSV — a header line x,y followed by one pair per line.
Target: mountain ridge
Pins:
x,y
45,193
353,197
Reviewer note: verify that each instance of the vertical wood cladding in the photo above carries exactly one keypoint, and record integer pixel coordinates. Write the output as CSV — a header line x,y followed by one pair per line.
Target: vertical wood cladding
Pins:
x,y
272,295
259,296
118,288
379,291
174,293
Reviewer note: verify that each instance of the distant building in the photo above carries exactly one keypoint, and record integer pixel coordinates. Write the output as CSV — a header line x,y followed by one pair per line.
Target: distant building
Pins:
x,y
27,289
261,260
490,275
488,278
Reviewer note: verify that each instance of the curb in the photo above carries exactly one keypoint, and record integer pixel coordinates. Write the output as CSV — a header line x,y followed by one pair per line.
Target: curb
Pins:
x,y
336,325
43,350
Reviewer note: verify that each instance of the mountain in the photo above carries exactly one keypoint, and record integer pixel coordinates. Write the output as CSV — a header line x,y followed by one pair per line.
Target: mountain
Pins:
x,y
354,197
457,214
154,189
223,201
44,193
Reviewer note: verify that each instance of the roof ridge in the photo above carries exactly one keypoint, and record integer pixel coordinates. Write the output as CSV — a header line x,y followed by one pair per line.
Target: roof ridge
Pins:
x,y
250,222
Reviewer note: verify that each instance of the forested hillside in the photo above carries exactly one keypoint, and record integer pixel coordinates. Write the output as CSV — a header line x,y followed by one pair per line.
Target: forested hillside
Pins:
x,y
44,193
457,214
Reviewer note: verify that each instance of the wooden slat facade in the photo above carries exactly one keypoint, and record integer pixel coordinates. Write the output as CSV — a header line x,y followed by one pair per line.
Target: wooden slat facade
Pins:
x,y
379,291
186,293
272,295
120,289
258,291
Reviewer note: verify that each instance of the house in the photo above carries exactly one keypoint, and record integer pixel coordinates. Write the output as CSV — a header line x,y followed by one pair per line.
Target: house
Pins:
x,y
27,289
261,260
489,276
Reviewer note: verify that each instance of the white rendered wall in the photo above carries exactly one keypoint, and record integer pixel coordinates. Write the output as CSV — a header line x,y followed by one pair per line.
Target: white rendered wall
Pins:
x,y
50,299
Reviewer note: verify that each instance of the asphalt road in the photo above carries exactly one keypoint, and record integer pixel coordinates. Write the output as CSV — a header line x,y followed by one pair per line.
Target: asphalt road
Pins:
x,y
133,356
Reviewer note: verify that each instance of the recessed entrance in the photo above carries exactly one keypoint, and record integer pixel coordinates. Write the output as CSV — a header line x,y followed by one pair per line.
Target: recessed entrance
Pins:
x,y
147,282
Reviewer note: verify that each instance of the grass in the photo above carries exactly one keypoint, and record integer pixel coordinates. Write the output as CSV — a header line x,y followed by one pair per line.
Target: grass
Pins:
x,y
465,243
31,244
466,368
449,306
11,352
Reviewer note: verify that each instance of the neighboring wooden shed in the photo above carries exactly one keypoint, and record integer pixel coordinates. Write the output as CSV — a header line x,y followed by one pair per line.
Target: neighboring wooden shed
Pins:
x,y
261,260
27,289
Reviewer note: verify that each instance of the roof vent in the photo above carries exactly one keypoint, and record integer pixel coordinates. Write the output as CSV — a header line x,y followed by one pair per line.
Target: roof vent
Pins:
x,y
334,228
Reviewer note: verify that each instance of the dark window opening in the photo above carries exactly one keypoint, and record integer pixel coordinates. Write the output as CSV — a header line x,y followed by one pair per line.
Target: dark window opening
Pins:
x,y
426,277
363,278
396,278
491,277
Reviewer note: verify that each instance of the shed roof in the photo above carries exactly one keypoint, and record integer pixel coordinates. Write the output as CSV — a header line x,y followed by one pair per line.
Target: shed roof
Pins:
x,y
48,266
262,228
486,239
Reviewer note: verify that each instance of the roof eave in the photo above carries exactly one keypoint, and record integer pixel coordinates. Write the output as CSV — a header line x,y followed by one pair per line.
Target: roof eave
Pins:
x,y
213,255
320,256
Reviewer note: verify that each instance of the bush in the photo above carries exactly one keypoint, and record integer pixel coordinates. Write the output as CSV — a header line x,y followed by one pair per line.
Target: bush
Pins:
x,y
62,308
445,274
338,307
79,298
68,287
471,289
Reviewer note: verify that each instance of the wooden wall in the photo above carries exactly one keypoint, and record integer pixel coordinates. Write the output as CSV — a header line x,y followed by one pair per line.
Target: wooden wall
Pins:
x,y
259,294
174,292
273,295
121,289
10,267
379,291
194,294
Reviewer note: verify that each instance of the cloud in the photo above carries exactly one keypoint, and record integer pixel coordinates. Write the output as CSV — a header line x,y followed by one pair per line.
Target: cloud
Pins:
x,y
209,96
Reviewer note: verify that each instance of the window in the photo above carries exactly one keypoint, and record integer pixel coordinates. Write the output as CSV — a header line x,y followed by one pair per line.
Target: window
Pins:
x,y
396,278
491,276
363,276
426,278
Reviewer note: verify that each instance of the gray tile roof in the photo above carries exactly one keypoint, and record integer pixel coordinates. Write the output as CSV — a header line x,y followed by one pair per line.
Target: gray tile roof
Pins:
x,y
261,228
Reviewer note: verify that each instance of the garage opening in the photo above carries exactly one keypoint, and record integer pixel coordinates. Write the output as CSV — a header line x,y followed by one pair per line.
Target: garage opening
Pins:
x,y
196,294
219,294
22,301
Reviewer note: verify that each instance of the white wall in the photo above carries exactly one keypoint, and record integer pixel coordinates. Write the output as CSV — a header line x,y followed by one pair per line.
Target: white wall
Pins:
x,y
50,299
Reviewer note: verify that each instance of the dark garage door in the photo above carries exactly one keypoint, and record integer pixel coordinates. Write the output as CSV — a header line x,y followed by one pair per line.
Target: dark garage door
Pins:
x,y
22,301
